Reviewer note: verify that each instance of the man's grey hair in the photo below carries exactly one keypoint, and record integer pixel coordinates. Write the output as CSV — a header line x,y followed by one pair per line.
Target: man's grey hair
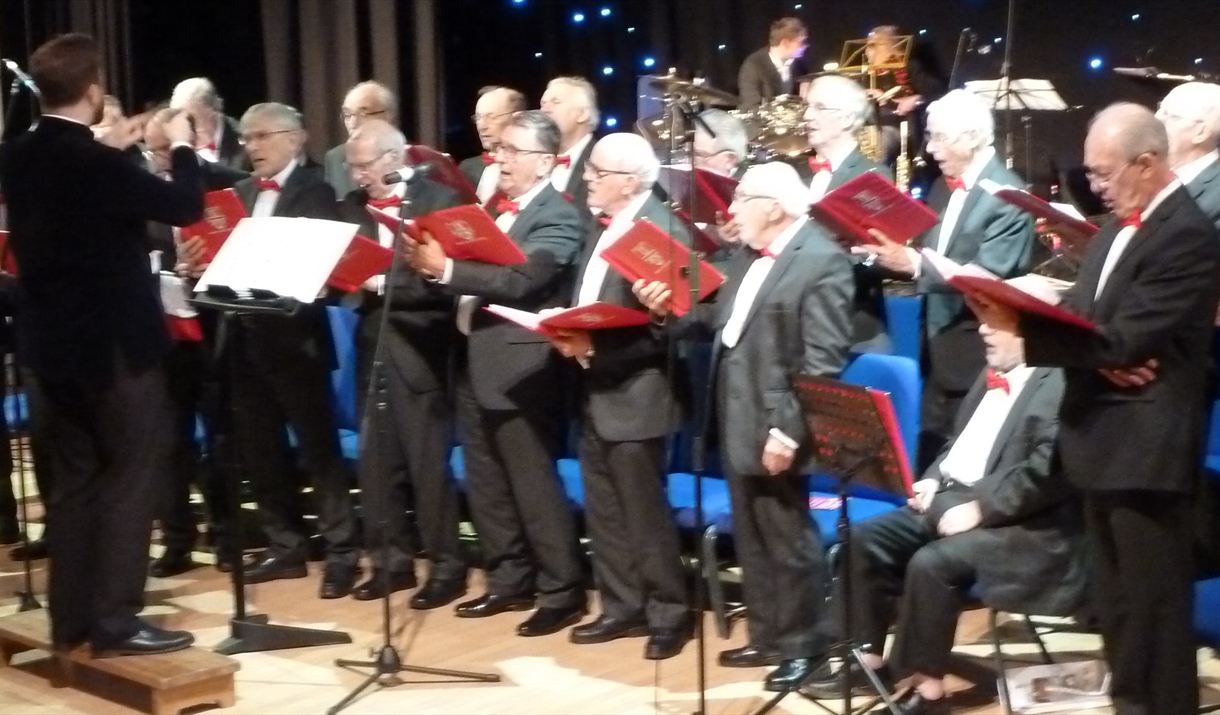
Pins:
x,y
966,111
1201,100
779,181
1134,129
514,100
543,127
282,115
385,97
196,88
632,153
385,137
586,92
729,130
850,98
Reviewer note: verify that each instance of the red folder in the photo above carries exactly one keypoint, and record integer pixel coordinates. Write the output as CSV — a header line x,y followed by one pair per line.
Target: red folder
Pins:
x,y
647,253
466,232
594,316
221,212
8,263
872,201
363,259
713,192
975,281
445,171
1074,230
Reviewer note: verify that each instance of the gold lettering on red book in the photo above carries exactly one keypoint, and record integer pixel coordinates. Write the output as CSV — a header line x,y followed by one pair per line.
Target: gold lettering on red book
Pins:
x,y
464,231
215,218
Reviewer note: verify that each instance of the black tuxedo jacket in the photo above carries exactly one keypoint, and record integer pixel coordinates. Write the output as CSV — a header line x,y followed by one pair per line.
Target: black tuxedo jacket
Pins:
x,y
230,151
420,322
1205,190
509,364
991,234
758,80
854,165
473,168
304,336
576,188
77,213
1159,303
334,167
1029,548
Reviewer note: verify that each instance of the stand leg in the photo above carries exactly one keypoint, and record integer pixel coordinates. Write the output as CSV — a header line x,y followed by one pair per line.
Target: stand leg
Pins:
x,y
26,599
254,634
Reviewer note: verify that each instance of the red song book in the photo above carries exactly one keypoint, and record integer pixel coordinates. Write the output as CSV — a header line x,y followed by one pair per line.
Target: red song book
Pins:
x,y
1036,295
363,259
594,316
466,232
647,253
872,201
1063,219
221,212
713,192
8,263
445,171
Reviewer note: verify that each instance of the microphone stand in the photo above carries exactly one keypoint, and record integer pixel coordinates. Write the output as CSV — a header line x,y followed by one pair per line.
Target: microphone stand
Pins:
x,y
1005,93
26,599
966,34
386,661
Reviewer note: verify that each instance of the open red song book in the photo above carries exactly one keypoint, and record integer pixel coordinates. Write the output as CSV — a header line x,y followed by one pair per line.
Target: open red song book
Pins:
x,y
363,259
445,171
1063,219
593,316
8,263
713,192
1035,295
466,232
221,212
647,253
871,201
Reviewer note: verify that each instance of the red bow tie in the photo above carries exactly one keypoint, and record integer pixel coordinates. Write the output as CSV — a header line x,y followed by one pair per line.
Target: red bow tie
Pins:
x,y
563,160
506,206
385,203
996,380
955,183
604,220
816,165
488,159
1136,219
266,184
767,253
209,147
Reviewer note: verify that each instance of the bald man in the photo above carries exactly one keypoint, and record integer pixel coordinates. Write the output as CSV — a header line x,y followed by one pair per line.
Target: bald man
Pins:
x,y
1191,115
493,112
1135,403
364,101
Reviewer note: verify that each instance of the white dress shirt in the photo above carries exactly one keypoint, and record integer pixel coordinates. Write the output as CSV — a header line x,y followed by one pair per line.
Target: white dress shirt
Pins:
x,y
966,462
1126,234
1191,171
597,267
562,174
821,180
209,154
751,283
488,182
783,67
264,203
953,210
385,236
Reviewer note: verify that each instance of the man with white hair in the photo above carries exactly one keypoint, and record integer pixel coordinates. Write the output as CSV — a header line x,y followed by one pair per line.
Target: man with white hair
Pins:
x,y
837,110
216,135
493,112
1191,115
725,153
572,103
364,101
629,408
784,310
974,227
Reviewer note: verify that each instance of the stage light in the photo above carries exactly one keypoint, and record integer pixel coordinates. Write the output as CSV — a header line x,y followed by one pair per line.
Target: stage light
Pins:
x,y
611,122
649,62
1095,63
1136,16
797,6
518,2
721,47
537,54
630,29
923,32
578,17
607,70
997,40
916,192
605,12
1198,60
830,66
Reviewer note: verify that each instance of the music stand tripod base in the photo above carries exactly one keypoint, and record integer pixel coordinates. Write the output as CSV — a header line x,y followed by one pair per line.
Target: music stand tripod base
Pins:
x,y
253,634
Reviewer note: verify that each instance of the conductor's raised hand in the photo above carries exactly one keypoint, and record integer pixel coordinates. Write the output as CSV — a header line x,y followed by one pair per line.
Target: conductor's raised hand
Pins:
x,y
655,296
123,133
179,129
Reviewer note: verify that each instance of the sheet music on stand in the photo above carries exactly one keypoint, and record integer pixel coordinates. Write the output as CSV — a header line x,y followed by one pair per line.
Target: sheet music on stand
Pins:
x,y
1037,95
288,257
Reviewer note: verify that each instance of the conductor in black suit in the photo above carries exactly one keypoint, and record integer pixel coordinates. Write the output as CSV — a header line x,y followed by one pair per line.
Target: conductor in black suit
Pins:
x,y
216,134
1134,408
509,394
571,102
492,112
405,449
1191,115
629,407
93,334
784,309
283,376
771,71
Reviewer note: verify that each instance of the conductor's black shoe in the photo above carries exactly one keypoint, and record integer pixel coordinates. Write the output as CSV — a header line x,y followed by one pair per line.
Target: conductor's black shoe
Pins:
x,y
823,684
788,675
748,657
38,550
338,580
664,643
438,592
382,583
915,704
490,604
171,563
273,568
149,640
548,620
605,629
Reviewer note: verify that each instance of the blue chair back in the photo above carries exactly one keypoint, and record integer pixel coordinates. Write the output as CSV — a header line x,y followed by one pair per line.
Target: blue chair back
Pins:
x,y
343,324
899,376
903,325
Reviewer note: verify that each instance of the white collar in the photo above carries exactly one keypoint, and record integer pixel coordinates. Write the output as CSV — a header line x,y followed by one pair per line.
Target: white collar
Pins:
x,y
66,119
1189,172
629,212
779,64
578,148
282,177
785,237
1156,200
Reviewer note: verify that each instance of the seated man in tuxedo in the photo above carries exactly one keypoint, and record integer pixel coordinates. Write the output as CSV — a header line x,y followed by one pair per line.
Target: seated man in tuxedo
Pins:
x,y
216,135
769,72
509,391
492,112
365,101
994,512
1191,115
571,102
406,449
629,408
975,227
283,377
784,309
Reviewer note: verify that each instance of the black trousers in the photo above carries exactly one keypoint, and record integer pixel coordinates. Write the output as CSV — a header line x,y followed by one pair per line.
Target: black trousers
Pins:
x,y
297,394
526,527
108,447
1143,591
637,556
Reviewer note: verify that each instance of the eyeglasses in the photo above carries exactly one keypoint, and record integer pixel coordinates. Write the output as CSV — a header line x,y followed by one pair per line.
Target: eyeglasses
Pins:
x,y
476,118
593,171
740,198
256,137
510,152
1106,180
346,114
363,166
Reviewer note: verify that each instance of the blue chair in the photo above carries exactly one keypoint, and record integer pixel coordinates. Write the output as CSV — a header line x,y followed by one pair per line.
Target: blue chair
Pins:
x,y
343,325
16,411
903,324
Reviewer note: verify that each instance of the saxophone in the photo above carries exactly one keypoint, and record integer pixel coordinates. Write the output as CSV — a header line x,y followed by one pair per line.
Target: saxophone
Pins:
x,y
902,167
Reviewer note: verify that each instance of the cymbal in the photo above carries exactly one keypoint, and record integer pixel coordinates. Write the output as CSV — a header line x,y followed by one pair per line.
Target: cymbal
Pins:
x,y
691,90
842,73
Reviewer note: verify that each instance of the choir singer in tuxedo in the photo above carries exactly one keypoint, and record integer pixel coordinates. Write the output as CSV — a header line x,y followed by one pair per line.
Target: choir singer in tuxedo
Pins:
x,y
784,309
492,112
1191,115
93,334
571,102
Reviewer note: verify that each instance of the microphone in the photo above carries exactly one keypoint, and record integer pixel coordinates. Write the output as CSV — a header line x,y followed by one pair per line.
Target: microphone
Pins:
x,y
408,174
22,77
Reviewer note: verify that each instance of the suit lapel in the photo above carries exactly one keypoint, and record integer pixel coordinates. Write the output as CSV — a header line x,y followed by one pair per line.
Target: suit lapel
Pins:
x,y
290,190
972,199
1143,241
577,176
1199,186
248,194
1015,415
524,222
782,262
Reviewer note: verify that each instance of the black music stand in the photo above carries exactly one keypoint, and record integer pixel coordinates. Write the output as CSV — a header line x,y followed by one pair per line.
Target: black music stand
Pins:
x,y
857,440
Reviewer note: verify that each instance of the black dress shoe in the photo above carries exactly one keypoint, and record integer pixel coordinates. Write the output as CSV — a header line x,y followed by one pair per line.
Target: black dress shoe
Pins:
x,y
547,620
171,563
823,684
748,657
38,550
338,580
915,704
382,583
605,629
226,561
438,592
273,568
788,675
491,605
665,643
149,640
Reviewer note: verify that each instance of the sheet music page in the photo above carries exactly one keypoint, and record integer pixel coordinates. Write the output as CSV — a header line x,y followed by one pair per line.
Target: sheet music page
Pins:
x,y
173,296
524,318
